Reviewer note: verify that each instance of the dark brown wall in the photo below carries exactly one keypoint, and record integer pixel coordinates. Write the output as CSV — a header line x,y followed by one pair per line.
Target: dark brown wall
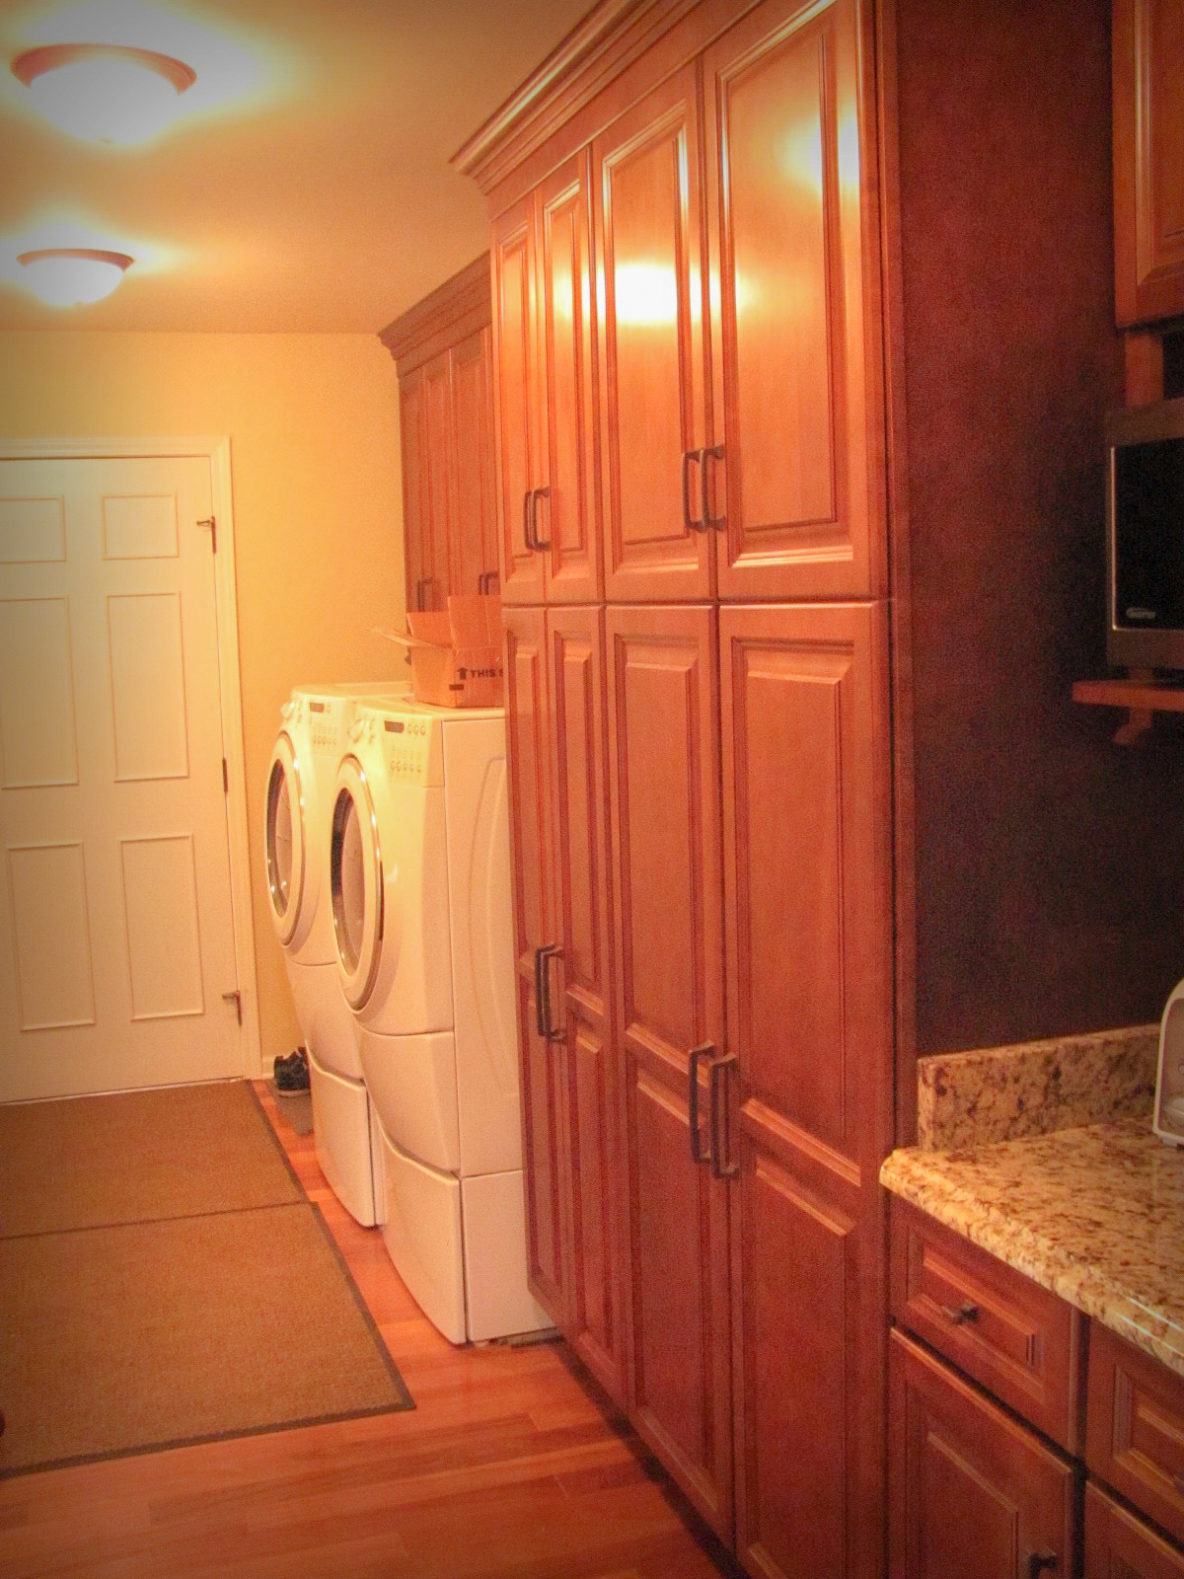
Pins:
x,y
1050,862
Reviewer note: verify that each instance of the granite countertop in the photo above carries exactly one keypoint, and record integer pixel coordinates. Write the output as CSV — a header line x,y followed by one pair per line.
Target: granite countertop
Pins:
x,y
1088,1203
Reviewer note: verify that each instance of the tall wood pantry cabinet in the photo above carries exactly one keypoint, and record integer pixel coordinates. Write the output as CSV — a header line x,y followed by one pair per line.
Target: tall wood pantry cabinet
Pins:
x,y
443,350
690,431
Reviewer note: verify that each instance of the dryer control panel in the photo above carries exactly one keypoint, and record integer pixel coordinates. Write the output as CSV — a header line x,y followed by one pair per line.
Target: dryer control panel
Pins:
x,y
412,749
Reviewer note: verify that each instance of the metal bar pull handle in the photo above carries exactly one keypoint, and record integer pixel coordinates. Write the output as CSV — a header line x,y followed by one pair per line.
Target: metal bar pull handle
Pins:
x,y
526,521
699,1055
965,1312
1041,1562
486,582
715,453
721,1164
540,544
548,1030
420,587
540,989
690,458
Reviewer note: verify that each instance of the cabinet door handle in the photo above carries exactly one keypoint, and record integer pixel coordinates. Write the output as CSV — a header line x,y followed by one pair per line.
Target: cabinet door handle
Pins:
x,y
689,458
964,1313
722,1165
526,521
539,544
486,582
548,1030
1041,1562
540,993
715,453
420,585
701,1054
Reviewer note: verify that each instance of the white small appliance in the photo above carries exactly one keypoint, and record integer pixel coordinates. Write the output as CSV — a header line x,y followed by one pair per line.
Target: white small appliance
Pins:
x,y
313,733
419,876
1169,1080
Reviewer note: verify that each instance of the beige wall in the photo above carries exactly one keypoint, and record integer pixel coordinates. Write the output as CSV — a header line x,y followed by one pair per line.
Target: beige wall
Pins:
x,y
313,426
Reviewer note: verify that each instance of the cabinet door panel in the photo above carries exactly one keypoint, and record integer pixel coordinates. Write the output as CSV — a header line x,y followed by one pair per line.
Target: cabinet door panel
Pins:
x,y
546,1098
514,363
975,1494
793,380
570,515
1148,159
416,523
576,650
438,469
646,169
681,1383
665,827
474,552
804,725
1119,1545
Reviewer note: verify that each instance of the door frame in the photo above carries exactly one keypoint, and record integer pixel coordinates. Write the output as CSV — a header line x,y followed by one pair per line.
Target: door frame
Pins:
x,y
215,450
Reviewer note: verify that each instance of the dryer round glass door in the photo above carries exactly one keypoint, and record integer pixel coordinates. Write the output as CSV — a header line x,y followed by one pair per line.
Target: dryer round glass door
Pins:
x,y
284,840
355,884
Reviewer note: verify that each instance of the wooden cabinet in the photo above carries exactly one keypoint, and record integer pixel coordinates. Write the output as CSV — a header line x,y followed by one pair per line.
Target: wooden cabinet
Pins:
x,y
757,1039
739,337
548,488
443,350
976,1494
963,1470
1120,1545
1148,44
706,376
571,1088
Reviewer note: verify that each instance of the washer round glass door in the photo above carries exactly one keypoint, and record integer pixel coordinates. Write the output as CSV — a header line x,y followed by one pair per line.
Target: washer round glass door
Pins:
x,y
284,843
355,883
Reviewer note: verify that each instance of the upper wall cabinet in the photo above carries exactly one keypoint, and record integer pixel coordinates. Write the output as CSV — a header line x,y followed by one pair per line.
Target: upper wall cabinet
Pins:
x,y
546,413
1148,160
735,263
443,349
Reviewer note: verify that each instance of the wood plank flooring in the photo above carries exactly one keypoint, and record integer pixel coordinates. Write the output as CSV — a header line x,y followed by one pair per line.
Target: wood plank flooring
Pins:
x,y
508,1468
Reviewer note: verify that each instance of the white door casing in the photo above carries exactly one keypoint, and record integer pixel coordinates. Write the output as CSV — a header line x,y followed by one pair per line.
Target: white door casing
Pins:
x,y
124,876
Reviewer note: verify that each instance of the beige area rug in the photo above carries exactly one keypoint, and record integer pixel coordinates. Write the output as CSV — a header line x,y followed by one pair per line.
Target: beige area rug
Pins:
x,y
218,1306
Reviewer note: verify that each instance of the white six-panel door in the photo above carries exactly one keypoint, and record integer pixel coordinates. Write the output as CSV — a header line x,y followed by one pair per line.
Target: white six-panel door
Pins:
x,y
117,939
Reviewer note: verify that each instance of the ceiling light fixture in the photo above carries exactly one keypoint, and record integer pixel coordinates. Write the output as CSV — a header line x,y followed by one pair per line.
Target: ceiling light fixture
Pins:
x,y
72,276
104,93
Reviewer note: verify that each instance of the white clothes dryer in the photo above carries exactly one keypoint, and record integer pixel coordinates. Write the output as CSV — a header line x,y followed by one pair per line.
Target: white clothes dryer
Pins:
x,y
313,735
419,876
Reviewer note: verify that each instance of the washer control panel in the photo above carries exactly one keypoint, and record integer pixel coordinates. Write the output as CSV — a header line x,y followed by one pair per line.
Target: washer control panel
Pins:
x,y
411,745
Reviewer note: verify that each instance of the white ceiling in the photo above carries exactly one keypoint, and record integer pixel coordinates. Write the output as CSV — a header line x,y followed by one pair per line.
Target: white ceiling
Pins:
x,y
308,191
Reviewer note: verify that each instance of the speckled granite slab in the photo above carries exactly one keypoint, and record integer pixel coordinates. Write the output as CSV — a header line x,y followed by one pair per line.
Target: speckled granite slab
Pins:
x,y
1096,1214
1003,1093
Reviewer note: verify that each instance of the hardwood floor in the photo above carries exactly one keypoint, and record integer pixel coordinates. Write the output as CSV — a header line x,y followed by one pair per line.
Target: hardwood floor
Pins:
x,y
508,1468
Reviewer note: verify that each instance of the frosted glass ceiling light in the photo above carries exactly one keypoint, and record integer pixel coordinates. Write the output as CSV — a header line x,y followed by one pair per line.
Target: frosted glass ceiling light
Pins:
x,y
104,93
72,276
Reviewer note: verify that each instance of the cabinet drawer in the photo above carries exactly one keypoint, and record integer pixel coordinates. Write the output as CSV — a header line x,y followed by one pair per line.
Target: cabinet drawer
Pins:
x,y
1021,1342
1119,1545
1135,1428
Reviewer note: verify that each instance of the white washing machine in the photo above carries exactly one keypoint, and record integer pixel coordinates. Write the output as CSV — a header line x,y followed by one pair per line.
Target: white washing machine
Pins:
x,y
420,895
312,738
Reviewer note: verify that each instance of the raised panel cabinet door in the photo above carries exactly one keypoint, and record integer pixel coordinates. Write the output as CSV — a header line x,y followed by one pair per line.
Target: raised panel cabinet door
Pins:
x,y
791,155
438,467
807,880
569,513
546,1096
516,444
474,558
416,527
1148,46
1119,1545
664,800
649,252
974,1494
584,1020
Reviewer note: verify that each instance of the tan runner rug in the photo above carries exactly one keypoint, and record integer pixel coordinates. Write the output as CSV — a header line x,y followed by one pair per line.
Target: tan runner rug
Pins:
x,y
169,1328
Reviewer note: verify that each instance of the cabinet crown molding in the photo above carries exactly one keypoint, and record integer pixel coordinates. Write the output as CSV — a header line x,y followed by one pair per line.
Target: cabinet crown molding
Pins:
x,y
462,306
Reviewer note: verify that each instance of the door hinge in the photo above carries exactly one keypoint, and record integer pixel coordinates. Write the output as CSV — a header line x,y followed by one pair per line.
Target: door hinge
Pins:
x,y
210,525
236,998
225,778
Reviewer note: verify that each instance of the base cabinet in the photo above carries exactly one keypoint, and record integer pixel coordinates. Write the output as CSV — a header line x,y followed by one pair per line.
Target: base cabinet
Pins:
x,y
976,1495
1120,1545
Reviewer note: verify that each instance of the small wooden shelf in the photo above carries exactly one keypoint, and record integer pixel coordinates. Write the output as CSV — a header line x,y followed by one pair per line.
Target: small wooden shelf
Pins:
x,y
1141,698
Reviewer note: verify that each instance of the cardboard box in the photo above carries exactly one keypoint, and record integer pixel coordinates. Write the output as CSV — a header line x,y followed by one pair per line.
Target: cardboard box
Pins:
x,y
456,657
